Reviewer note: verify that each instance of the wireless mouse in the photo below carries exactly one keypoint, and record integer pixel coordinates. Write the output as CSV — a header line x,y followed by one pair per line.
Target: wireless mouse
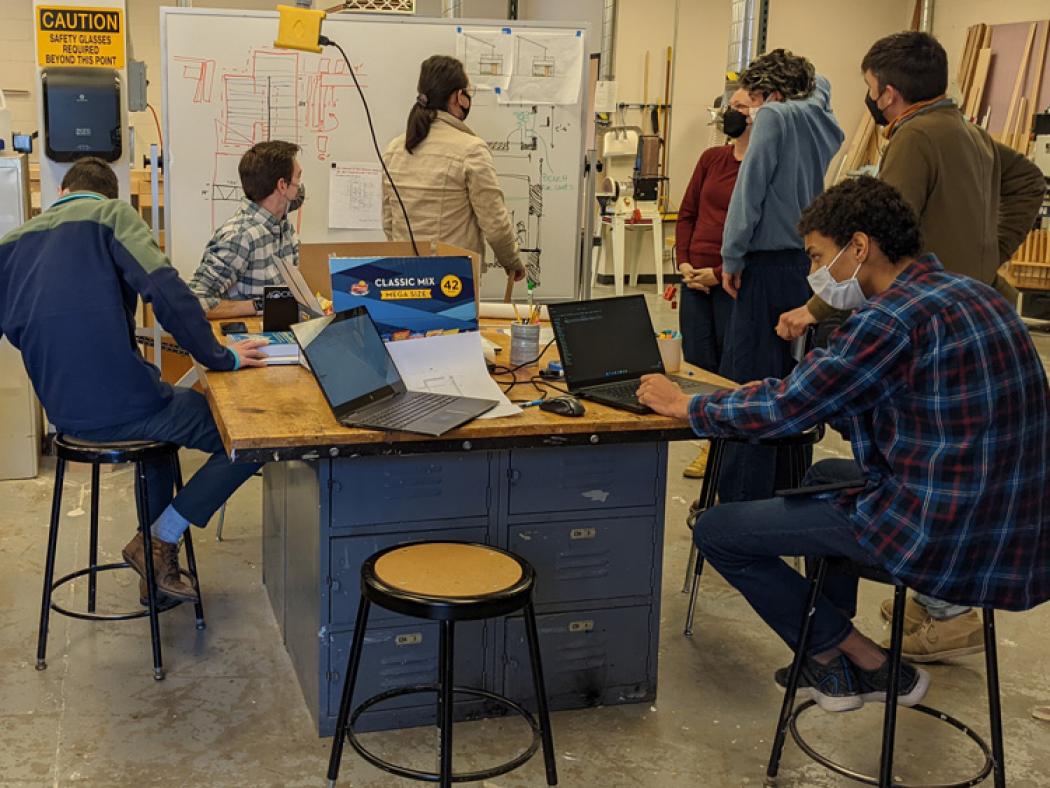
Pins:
x,y
563,406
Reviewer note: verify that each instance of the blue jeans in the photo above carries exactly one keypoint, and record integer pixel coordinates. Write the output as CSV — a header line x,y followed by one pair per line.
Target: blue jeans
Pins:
x,y
185,421
703,318
745,542
773,283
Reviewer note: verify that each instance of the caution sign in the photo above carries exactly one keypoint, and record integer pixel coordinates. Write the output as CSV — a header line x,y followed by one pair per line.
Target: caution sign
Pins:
x,y
79,36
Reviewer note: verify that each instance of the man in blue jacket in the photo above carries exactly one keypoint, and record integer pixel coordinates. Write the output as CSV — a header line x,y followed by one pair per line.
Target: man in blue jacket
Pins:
x,y
794,136
70,280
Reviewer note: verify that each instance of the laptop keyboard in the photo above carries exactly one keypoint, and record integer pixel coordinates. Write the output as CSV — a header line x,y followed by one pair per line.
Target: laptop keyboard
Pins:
x,y
403,410
625,391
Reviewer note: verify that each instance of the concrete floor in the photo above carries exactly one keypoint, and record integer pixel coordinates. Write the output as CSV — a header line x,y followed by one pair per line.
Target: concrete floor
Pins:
x,y
230,712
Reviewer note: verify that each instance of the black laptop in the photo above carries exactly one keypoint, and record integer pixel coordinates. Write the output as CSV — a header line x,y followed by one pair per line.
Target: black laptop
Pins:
x,y
362,384
606,345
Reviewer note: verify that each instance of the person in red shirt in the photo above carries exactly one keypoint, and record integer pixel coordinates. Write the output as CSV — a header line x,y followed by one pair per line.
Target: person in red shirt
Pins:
x,y
698,248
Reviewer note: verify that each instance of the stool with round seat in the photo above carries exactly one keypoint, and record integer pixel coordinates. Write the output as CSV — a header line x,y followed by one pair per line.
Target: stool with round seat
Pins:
x,y
447,582
789,715
96,454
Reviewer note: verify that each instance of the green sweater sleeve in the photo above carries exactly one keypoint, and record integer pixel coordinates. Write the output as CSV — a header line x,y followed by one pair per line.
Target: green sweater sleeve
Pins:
x,y
1021,190
907,165
821,310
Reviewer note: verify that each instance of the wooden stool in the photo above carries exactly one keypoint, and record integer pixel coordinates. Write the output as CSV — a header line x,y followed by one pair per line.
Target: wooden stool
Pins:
x,y
69,449
446,582
993,756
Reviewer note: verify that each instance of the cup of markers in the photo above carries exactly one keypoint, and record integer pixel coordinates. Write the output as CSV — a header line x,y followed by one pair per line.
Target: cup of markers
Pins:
x,y
670,344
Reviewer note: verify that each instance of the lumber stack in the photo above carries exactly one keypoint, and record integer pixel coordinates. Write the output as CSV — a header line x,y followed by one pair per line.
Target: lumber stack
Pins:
x,y
1030,265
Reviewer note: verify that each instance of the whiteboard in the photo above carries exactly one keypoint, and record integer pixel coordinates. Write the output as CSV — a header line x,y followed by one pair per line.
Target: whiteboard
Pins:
x,y
226,87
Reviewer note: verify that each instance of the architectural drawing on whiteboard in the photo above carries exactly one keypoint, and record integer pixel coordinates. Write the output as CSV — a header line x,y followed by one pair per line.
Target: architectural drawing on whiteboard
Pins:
x,y
481,56
522,161
532,57
279,95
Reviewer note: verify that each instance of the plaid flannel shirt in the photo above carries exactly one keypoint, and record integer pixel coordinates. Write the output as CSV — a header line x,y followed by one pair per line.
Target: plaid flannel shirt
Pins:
x,y
241,258
940,390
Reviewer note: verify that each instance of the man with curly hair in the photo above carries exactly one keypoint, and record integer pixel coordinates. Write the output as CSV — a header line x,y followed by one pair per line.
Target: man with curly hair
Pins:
x,y
794,135
976,200
935,381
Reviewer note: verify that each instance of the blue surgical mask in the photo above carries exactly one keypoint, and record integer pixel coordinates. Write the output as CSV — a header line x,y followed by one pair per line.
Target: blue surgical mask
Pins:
x,y
838,295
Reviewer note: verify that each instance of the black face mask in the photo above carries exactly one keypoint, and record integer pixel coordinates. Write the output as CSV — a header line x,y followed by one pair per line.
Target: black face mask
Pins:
x,y
466,110
734,123
876,113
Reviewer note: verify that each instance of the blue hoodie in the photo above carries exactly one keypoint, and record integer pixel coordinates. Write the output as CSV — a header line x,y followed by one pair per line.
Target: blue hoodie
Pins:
x,y
792,143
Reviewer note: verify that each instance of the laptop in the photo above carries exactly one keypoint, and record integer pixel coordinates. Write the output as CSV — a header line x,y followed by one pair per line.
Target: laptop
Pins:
x,y
361,382
606,345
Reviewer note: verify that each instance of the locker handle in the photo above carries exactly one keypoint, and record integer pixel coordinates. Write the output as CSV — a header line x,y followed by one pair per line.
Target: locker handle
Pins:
x,y
514,475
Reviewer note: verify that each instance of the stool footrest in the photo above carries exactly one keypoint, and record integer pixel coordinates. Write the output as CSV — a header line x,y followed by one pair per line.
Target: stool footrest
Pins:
x,y
860,777
103,616
462,777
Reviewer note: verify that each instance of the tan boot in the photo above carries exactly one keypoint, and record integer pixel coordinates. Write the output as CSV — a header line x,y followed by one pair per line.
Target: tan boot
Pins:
x,y
696,469
914,614
165,566
936,640
1041,713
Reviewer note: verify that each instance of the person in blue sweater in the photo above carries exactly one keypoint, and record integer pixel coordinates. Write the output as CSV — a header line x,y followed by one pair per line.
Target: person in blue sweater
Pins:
x,y
70,280
794,136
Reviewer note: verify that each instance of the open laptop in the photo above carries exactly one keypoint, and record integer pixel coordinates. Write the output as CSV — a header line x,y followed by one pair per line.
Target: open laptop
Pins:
x,y
362,384
606,345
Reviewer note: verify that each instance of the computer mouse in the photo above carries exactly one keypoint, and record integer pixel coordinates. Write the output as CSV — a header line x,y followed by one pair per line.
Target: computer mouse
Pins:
x,y
563,406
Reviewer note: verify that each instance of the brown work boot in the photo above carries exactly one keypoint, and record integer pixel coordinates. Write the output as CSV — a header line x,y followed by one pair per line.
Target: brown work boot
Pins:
x,y
165,566
163,600
938,640
914,614
697,468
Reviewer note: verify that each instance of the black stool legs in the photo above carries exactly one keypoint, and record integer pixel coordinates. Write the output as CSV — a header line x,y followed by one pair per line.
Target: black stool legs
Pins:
x,y
141,500
93,547
995,712
49,565
889,718
532,634
352,664
446,677
191,558
818,570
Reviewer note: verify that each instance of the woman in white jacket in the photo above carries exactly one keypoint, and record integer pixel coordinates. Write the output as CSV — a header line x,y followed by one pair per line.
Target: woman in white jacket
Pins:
x,y
445,173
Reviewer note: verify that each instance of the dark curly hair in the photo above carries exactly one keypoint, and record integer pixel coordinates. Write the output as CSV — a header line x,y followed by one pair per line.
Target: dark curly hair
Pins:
x,y
914,63
865,205
790,74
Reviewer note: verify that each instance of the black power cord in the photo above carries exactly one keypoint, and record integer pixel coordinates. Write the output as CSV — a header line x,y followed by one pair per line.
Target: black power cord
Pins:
x,y
325,41
499,369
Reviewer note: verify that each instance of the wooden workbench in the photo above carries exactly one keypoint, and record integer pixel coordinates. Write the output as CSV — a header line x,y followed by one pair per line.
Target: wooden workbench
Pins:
x,y
581,499
279,413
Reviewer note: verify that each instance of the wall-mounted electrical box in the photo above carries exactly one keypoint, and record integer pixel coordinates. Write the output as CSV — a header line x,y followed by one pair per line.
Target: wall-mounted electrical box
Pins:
x,y
82,113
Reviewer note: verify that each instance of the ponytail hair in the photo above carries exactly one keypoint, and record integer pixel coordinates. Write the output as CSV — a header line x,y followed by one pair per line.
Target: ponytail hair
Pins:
x,y
439,77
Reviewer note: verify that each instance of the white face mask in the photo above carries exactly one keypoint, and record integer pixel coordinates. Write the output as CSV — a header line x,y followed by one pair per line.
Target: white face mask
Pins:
x,y
838,295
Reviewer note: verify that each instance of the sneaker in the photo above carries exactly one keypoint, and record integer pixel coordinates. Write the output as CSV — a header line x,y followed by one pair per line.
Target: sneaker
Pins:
x,y
1041,713
940,639
915,615
696,469
834,686
912,687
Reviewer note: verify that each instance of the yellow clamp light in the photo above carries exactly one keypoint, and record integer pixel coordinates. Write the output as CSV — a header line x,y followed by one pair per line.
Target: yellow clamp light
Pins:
x,y
299,28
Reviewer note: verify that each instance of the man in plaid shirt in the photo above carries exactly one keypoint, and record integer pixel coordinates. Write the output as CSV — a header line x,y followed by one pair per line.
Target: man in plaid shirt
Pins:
x,y
241,258
939,388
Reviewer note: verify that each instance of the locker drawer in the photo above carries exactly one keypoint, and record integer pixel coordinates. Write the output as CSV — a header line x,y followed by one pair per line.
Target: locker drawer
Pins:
x,y
589,657
607,477
588,559
402,656
369,490
346,554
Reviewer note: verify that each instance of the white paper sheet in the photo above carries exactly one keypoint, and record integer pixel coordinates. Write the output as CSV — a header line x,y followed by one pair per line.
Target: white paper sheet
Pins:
x,y
487,55
605,96
355,196
452,364
548,68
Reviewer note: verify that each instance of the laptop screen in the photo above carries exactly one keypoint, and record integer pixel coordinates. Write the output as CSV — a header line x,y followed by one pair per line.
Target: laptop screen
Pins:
x,y
349,359
605,340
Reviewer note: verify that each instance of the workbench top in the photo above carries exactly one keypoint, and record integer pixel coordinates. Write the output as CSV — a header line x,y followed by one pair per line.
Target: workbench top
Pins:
x,y
279,413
